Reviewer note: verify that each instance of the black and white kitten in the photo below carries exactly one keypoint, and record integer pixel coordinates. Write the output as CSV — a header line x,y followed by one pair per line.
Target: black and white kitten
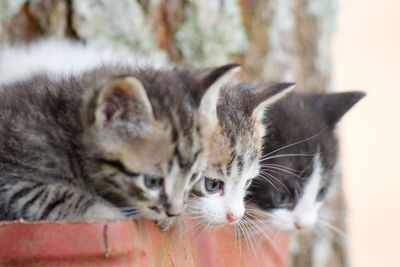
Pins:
x,y
299,157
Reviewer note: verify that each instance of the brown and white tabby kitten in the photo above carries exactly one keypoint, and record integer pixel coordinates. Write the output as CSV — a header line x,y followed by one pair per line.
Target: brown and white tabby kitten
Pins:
x,y
113,142
235,152
299,157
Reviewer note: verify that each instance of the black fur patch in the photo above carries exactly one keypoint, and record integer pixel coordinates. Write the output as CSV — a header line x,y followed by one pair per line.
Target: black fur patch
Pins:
x,y
304,126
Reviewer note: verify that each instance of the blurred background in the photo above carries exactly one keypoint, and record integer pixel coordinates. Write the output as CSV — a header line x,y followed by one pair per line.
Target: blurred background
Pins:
x,y
366,55
323,45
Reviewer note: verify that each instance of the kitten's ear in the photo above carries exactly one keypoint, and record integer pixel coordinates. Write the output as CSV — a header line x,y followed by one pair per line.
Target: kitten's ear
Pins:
x,y
264,96
210,82
334,106
123,99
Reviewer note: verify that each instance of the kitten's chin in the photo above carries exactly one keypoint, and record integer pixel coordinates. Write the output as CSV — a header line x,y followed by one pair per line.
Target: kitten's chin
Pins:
x,y
217,224
152,215
286,230
290,229
283,227
165,224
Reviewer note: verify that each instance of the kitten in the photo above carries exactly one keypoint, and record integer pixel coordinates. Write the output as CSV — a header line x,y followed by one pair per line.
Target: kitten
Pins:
x,y
218,198
109,143
299,158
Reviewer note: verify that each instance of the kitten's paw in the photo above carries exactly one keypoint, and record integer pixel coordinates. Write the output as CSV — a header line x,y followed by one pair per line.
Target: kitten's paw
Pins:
x,y
102,212
165,224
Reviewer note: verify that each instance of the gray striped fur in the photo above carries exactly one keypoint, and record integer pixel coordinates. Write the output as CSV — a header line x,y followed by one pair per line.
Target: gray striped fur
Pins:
x,y
66,155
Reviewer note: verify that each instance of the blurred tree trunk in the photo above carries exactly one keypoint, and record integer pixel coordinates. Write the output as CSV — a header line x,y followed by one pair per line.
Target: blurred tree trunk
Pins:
x,y
272,39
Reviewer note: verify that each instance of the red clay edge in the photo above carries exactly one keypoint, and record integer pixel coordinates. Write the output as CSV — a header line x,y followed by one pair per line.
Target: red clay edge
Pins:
x,y
131,243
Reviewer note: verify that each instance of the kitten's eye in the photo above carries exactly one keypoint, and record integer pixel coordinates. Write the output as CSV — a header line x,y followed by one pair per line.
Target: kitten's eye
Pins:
x,y
281,199
213,185
153,182
321,193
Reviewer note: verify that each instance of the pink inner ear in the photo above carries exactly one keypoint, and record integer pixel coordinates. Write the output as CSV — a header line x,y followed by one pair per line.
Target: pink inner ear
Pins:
x,y
117,101
110,110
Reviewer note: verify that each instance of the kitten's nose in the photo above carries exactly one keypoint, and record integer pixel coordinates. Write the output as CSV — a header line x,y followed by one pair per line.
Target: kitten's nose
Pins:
x,y
171,214
232,218
299,226
173,208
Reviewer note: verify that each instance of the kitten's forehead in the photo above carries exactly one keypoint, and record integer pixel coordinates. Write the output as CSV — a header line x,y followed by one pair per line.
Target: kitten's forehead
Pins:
x,y
236,145
149,154
171,95
239,128
220,151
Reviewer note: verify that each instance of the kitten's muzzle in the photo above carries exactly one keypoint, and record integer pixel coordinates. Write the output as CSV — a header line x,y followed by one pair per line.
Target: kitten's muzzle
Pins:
x,y
172,215
300,226
173,208
232,218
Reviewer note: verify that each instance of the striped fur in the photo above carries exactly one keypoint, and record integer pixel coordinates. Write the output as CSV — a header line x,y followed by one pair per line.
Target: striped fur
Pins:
x,y
235,151
112,142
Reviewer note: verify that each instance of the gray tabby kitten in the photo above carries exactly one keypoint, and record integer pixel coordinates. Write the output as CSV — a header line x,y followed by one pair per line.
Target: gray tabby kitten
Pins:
x,y
235,152
111,143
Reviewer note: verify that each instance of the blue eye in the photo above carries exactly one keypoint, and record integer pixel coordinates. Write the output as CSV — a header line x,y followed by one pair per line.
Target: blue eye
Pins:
x,y
153,182
281,199
213,185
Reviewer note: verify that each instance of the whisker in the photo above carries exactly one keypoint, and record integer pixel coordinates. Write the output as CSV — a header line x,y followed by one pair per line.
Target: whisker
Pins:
x,y
283,170
266,179
260,212
280,166
266,235
240,236
279,181
251,240
333,228
287,155
256,220
296,143
245,234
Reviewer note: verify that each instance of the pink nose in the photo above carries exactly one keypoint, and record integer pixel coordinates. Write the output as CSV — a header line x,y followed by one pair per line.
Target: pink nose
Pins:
x,y
232,218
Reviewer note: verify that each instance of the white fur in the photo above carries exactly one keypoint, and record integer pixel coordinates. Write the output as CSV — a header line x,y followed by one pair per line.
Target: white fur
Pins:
x,y
213,208
306,210
102,212
60,57
208,105
321,252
